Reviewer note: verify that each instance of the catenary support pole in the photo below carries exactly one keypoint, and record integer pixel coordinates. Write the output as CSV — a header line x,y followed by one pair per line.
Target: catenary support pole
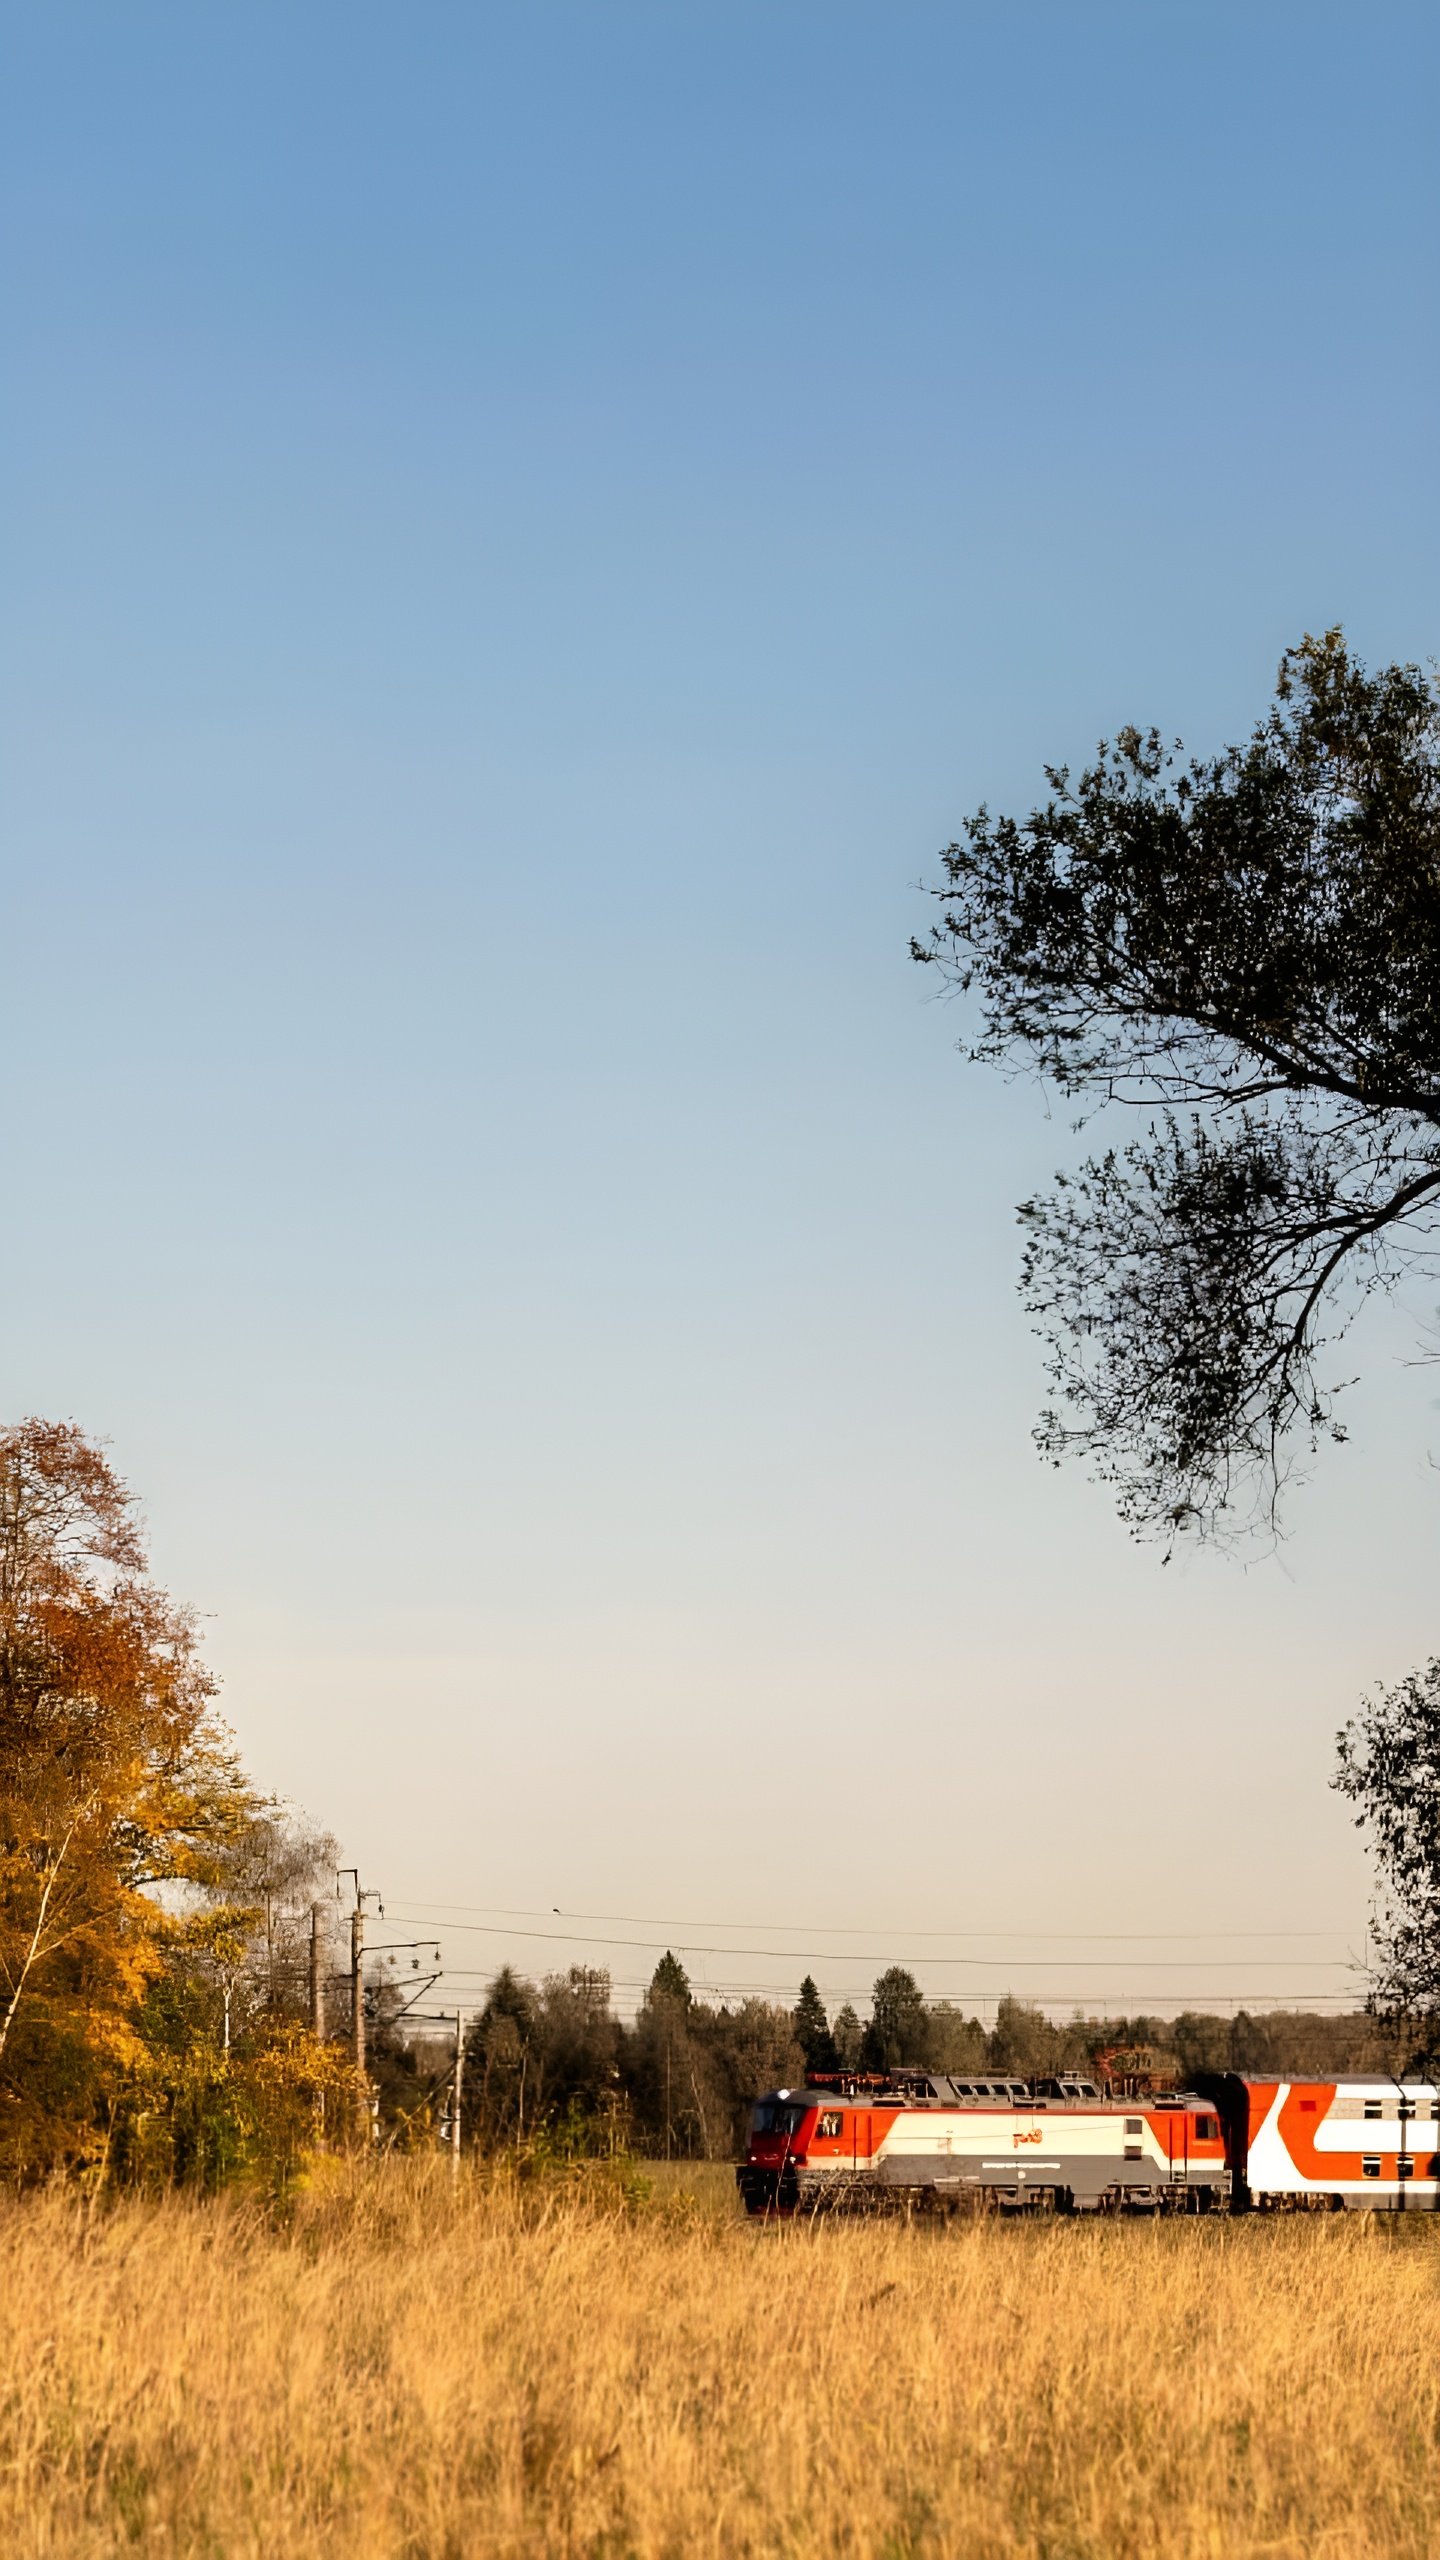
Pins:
x,y
363,1894
357,1985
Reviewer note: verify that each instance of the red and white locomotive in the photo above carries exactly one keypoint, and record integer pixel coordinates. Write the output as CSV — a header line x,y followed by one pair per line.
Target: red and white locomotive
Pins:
x,y
931,2136
1073,2145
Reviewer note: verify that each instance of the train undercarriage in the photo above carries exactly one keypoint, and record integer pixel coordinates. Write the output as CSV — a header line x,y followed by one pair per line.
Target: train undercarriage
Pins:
x,y
772,2192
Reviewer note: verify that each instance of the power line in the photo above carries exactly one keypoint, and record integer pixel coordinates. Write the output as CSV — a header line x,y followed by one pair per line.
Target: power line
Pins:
x,y
821,1929
857,1955
1112,1994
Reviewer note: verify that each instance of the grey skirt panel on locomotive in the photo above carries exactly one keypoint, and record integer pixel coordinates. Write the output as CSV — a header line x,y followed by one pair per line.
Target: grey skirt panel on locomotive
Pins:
x,y
1085,2174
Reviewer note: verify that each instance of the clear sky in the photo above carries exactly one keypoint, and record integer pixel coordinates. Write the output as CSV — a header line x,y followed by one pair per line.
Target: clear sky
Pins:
x,y
524,529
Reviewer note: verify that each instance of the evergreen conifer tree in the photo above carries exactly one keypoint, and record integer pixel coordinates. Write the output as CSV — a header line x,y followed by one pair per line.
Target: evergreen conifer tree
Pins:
x,y
812,2029
670,1981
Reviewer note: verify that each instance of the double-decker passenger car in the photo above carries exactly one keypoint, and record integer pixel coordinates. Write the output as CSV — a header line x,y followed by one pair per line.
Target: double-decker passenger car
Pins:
x,y
934,2138
1372,2143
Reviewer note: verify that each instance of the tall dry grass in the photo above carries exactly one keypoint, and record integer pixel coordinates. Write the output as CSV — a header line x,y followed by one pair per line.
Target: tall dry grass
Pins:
x,y
523,2372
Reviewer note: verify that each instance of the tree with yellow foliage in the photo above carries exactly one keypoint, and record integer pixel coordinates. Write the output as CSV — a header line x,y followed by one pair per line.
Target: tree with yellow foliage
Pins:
x,y
124,1815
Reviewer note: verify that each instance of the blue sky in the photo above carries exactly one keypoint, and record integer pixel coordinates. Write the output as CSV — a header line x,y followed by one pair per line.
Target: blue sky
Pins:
x,y
525,529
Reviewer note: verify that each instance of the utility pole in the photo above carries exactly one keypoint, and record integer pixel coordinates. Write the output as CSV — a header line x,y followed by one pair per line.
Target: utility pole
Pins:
x,y
317,1974
456,2096
357,1984
363,1894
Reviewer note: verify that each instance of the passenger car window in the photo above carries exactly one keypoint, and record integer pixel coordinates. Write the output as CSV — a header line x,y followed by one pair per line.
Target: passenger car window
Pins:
x,y
1370,2166
1134,2124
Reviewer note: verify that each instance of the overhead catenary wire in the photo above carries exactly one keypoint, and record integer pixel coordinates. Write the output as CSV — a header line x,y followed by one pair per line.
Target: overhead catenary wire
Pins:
x,y
861,1955
482,1912
1116,1998
1110,1998
997,1968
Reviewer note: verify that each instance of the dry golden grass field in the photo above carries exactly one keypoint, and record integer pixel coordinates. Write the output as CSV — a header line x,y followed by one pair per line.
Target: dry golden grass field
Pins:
x,y
528,2370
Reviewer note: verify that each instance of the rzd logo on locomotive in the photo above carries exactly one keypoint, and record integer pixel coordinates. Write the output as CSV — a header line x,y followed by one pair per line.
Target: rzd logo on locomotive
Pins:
x,y
1027,2133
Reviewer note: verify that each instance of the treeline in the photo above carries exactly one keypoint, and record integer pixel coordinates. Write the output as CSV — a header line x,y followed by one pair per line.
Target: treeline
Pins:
x,y
552,2058
677,2083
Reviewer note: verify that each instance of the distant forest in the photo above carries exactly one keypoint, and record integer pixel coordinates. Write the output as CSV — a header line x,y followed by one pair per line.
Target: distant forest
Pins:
x,y
551,2059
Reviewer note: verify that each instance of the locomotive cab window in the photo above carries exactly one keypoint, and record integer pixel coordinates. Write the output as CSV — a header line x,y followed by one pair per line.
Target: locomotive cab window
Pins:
x,y
1206,2129
774,2115
830,2127
1134,2124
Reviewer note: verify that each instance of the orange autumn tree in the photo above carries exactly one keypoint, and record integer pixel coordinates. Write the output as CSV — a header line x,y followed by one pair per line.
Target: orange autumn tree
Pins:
x,y
116,1781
